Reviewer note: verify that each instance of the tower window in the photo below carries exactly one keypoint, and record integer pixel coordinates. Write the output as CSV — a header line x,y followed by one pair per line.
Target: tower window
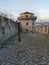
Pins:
x,y
26,15
33,23
26,29
27,24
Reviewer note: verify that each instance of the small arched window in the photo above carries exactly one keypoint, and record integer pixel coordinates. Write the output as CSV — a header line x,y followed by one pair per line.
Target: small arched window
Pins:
x,y
27,24
26,15
33,23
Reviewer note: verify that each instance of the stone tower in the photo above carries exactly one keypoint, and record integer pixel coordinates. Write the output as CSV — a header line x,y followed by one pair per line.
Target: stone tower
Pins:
x,y
27,21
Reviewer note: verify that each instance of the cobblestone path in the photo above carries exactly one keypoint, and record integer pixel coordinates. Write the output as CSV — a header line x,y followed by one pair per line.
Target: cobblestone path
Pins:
x,y
33,49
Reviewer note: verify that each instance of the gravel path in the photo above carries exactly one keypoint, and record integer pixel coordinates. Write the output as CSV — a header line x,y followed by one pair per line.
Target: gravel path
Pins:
x,y
33,49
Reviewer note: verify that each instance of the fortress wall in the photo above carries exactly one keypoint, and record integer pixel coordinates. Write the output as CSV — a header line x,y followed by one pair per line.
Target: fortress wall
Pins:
x,y
8,28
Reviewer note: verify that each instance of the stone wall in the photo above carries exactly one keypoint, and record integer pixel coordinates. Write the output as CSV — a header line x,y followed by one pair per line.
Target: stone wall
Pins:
x,y
44,29
8,28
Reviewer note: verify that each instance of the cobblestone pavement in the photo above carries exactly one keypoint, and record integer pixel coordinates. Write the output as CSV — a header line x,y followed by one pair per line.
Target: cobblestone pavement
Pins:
x,y
33,49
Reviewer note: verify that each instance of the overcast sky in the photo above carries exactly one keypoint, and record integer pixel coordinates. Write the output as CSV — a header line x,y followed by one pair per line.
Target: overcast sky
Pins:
x,y
15,7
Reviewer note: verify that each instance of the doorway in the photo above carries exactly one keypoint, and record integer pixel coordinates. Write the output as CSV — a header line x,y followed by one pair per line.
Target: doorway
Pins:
x,y
26,29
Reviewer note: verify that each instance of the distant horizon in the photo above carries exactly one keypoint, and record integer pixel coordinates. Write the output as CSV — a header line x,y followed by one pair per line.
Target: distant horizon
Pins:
x,y
40,20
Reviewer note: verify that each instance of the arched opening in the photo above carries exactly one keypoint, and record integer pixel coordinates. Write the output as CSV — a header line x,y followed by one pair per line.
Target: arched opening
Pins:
x,y
27,24
27,16
26,29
